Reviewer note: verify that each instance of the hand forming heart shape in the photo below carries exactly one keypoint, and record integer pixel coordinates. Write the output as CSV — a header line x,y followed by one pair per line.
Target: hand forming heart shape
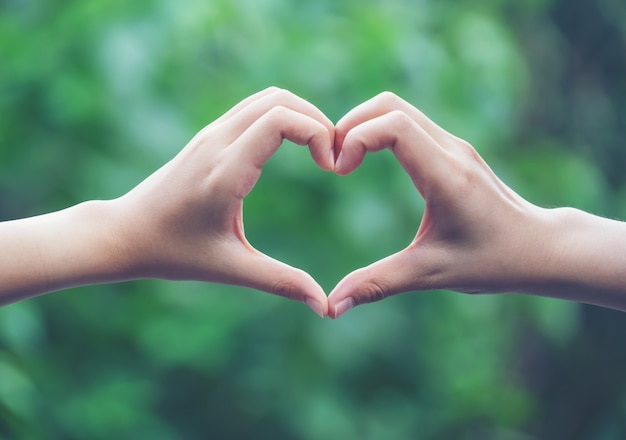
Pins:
x,y
185,220
470,222
458,244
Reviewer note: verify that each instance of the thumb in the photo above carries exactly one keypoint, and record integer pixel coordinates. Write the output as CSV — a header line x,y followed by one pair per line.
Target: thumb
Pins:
x,y
394,274
258,271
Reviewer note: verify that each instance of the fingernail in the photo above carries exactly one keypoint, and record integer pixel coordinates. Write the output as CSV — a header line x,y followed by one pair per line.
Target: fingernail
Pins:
x,y
343,306
316,306
339,161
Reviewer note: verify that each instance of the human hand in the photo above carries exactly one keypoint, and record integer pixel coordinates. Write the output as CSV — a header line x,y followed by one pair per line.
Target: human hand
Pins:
x,y
472,224
185,221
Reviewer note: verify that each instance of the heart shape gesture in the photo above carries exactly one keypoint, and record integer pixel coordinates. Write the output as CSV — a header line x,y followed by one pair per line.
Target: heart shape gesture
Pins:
x,y
196,203
476,235
471,219
185,221
199,231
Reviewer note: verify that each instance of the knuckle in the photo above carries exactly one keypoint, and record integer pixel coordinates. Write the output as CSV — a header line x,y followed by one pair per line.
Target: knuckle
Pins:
x,y
466,149
287,289
282,95
400,121
275,115
467,156
400,126
388,99
374,289
464,180
277,112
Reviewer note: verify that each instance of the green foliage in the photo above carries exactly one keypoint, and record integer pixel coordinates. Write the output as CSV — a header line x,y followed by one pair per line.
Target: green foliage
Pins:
x,y
96,95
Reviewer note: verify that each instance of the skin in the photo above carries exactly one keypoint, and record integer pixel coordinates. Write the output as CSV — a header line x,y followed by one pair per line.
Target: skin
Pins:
x,y
184,221
476,234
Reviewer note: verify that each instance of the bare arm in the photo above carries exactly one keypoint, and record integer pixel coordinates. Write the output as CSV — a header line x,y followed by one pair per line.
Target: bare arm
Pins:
x,y
183,222
67,248
476,235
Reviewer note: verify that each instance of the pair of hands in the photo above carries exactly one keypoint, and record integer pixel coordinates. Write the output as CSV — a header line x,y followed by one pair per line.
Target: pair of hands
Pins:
x,y
185,220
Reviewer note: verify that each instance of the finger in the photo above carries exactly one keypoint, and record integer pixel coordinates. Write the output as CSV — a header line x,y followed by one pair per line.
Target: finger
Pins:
x,y
248,115
257,144
379,105
418,153
397,273
244,103
256,270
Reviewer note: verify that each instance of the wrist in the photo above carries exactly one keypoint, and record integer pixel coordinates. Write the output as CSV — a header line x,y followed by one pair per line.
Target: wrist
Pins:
x,y
581,257
119,236
87,244
100,242
76,246
137,241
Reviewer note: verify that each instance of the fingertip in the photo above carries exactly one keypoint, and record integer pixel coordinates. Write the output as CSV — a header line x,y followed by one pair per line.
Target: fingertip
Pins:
x,y
364,285
338,303
323,154
340,154
342,307
303,285
340,135
331,157
339,164
312,293
346,163
330,165
317,307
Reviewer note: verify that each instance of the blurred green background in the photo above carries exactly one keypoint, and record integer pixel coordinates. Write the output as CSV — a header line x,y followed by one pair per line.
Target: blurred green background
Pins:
x,y
95,95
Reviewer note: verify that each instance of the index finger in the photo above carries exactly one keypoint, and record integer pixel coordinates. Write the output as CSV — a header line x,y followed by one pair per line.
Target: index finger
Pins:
x,y
382,104
244,103
426,162
233,127
261,140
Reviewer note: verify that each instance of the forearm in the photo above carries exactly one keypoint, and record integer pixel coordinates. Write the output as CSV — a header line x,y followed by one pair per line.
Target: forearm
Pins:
x,y
585,260
76,246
